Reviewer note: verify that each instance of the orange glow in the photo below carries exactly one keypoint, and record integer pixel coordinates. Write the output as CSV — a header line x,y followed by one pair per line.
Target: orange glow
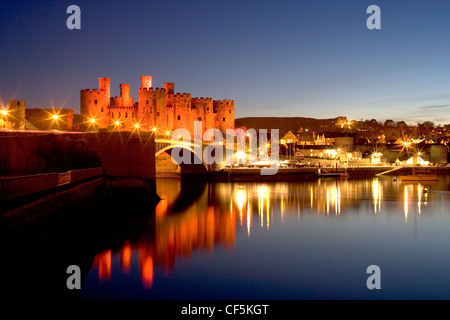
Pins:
x,y
125,258
147,272
104,270
405,204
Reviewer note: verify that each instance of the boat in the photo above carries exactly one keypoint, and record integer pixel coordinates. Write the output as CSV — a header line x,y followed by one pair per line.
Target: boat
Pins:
x,y
322,173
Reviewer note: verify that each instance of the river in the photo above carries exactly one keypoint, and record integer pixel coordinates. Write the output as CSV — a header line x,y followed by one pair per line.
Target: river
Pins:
x,y
280,240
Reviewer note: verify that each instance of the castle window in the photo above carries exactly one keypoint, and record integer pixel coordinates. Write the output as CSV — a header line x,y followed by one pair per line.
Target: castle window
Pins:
x,y
199,119
120,115
112,115
207,108
126,114
95,101
229,111
157,113
147,101
101,109
223,119
132,115
151,111
179,118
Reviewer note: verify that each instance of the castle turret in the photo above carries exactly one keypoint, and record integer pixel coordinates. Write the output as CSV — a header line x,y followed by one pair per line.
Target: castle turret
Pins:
x,y
146,82
104,84
170,87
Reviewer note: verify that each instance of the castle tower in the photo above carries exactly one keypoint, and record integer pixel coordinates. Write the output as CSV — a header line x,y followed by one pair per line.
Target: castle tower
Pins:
x,y
104,84
224,110
170,87
204,112
146,82
94,104
125,98
152,107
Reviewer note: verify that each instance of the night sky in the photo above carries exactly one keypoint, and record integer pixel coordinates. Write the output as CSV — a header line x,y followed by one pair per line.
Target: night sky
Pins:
x,y
274,58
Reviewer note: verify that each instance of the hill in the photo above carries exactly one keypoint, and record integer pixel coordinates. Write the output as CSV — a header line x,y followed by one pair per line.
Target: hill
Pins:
x,y
285,124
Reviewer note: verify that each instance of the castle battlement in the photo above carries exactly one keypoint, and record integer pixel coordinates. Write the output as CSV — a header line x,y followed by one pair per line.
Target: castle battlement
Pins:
x,y
225,102
151,89
179,95
202,100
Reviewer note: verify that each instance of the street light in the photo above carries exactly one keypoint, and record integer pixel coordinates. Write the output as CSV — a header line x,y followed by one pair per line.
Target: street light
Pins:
x,y
4,114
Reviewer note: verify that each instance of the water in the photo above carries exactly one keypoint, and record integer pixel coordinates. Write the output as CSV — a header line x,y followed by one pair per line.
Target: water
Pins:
x,y
281,240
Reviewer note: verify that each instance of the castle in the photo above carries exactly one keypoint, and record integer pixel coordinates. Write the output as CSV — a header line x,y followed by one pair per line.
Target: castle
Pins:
x,y
158,109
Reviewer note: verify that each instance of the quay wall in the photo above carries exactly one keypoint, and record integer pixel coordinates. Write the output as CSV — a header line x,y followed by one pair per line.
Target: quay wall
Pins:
x,y
17,187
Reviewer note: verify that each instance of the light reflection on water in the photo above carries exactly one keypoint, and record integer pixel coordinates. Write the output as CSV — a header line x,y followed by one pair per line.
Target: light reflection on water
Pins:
x,y
284,240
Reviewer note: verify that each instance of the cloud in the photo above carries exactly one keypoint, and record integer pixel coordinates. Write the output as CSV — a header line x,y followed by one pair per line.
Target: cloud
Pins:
x,y
439,106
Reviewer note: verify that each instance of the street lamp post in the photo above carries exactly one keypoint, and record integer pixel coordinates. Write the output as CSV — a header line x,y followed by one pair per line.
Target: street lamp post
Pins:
x,y
4,114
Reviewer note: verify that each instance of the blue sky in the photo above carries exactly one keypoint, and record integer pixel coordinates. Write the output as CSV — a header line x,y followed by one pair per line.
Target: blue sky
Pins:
x,y
274,58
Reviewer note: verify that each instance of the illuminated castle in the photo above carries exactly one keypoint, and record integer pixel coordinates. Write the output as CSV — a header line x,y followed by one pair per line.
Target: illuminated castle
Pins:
x,y
156,109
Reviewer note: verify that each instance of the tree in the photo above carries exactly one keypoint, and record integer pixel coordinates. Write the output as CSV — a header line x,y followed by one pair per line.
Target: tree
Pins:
x,y
389,123
401,124
429,125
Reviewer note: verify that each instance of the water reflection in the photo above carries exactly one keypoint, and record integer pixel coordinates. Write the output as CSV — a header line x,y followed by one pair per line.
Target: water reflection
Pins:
x,y
220,211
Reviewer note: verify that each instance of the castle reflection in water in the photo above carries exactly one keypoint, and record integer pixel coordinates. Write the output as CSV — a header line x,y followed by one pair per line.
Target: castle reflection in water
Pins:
x,y
224,209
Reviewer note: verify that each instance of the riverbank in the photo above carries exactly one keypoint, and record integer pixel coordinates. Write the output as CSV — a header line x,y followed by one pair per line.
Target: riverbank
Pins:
x,y
29,199
290,174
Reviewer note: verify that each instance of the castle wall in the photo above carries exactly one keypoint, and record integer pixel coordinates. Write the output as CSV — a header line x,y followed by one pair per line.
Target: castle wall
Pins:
x,y
42,119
